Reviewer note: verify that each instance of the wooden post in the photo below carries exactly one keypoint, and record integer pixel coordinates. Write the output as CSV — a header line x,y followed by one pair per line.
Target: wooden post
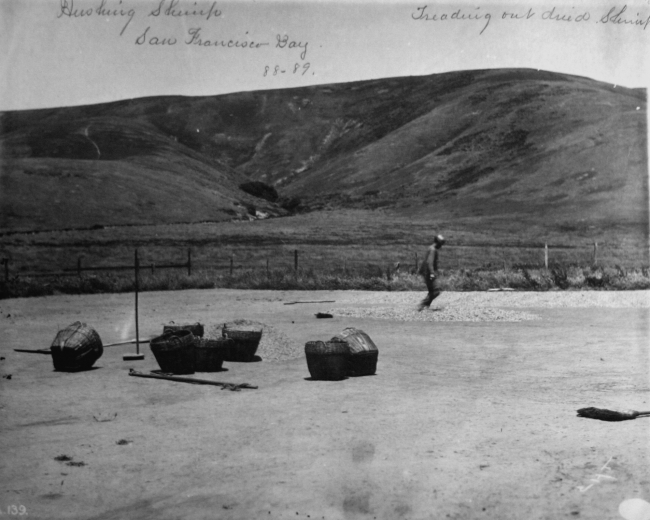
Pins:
x,y
295,261
137,288
232,260
595,253
546,256
137,355
416,262
189,262
267,269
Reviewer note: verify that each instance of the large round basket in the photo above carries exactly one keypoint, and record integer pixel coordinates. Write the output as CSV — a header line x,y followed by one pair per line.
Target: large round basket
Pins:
x,y
327,361
174,352
76,348
363,352
245,343
209,354
194,328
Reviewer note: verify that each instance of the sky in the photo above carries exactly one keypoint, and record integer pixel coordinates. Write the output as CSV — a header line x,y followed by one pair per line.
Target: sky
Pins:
x,y
76,52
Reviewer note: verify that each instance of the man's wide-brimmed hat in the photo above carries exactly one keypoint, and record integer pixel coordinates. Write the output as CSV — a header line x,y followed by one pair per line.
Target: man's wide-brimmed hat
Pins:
x,y
439,239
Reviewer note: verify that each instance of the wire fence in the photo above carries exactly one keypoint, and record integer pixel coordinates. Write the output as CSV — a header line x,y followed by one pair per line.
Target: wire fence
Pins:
x,y
370,261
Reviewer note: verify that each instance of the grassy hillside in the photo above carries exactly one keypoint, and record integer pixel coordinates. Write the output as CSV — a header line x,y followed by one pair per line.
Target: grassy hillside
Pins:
x,y
510,150
67,170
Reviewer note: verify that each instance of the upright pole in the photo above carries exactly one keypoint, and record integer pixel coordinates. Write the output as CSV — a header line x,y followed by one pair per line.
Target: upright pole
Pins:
x,y
189,262
231,264
137,288
295,261
267,269
595,253
137,355
546,256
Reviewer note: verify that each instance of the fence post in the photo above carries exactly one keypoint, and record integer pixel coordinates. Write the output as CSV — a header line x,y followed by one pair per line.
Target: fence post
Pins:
x,y
416,262
267,269
295,261
79,266
595,253
189,262
546,256
137,288
232,260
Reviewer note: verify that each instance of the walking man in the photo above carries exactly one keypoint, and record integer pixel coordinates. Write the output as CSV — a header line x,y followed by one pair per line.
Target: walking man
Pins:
x,y
429,271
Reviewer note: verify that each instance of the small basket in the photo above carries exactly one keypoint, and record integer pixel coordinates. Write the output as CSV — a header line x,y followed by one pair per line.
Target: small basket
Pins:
x,y
76,348
245,343
194,328
327,361
209,354
174,352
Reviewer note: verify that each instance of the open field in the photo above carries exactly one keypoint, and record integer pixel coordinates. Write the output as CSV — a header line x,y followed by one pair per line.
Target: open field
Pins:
x,y
464,419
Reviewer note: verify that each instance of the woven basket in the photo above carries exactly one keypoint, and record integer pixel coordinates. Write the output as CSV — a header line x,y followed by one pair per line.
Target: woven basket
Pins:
x,y
245,343
194,328
174,352
327,361
209,354
76,348
363,352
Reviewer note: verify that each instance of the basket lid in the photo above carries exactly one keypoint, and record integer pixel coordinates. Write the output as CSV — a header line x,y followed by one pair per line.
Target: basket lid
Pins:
x,y
358,341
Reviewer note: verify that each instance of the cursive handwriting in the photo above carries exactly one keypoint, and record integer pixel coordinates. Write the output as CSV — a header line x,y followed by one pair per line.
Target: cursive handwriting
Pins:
x,y
172,10
283,42
68,10
195,38
617,18
459,14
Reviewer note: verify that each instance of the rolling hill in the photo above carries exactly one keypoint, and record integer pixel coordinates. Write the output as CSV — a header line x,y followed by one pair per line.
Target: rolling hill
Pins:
x,y
515,145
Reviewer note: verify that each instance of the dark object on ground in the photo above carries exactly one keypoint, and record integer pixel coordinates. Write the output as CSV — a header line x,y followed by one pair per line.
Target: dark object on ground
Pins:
x,y
317,301
610,415
209,354
8,376
226,386
39,351
244,346
327,361
363,352
194,328
78,464
321,315
174,352
76,348
123,442
62,458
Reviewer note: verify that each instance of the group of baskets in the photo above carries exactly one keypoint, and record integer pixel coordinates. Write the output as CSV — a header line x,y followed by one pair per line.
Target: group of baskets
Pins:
x,y
350,353
181,349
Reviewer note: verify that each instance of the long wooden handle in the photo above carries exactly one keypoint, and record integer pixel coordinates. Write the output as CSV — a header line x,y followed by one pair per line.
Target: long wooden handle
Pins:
x,y
231,386
40,351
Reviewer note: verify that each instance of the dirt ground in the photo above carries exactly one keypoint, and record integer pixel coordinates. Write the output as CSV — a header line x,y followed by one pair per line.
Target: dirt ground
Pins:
x,y
462,420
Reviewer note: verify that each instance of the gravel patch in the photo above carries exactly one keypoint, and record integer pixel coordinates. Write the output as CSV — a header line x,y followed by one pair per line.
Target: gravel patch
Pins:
x,y
439,313
507,299
274,346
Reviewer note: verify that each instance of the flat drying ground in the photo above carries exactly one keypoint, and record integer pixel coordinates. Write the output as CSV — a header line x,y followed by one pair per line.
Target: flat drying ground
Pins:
x,y
472,412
